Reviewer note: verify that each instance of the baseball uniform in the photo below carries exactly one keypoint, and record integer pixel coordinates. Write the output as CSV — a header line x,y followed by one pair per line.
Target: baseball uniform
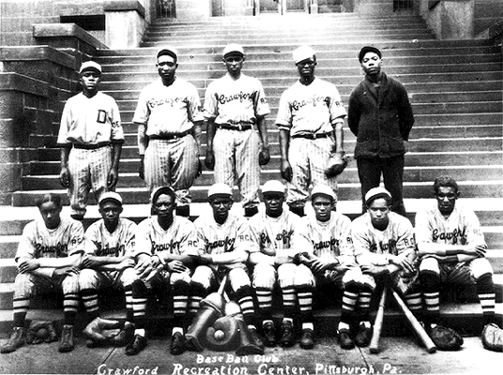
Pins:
x,y
235,105
89,127
172,155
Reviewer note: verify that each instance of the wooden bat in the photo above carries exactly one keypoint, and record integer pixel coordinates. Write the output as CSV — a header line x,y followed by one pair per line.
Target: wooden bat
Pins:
x,y
416,326
376,334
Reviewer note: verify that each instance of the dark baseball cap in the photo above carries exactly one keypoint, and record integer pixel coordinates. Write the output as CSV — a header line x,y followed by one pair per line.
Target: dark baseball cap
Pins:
x,y
168,50
366,49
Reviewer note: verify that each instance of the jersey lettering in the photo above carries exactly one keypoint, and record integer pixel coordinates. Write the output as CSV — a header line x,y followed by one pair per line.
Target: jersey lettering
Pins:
x,y
60,250
454,236
222,99
333,245
171,246
284,237
102,116
152,103
109,250
295,105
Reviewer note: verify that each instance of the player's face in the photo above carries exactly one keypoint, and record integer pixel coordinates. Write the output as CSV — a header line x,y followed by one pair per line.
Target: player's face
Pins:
x,y
379,211
306,68
446,199
50,214
166,67
371,63
234,63
274,204
220,207
322,207
110,212
164,206
90,80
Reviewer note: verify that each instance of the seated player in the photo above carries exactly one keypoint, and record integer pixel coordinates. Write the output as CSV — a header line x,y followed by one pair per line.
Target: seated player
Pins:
x,y
109,247
164,245
273,264
48,257
452,251
327,249
224,241
384,244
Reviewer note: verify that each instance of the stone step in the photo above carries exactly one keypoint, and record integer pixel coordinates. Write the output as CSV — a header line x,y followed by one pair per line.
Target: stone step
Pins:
x,y
346,191
350,175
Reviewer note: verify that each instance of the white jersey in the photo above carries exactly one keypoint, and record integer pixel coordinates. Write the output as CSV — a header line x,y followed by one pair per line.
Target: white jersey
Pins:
x,y
396,239
230,101
310,109
330,239
180,238
462,227
40,242
274,236
168,109
90,121
100,242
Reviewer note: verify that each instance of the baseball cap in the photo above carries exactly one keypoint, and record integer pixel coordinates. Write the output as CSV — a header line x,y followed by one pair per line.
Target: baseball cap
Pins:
x,y
90,65
233,48
168,50
303,53
273,186
219,189
375,193
325,191
110,196
366,49
160,191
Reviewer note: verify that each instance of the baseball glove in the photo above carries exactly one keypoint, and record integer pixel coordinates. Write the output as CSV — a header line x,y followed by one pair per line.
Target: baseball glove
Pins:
x,y
100,331
492,337
264,156
446,338
336,166
209,160
41,331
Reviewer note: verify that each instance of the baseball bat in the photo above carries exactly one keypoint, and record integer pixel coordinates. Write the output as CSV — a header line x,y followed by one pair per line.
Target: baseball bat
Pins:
x,y
416,326
378,323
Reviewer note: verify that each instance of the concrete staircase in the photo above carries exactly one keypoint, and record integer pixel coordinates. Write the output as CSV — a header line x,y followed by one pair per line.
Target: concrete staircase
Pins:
x,y
455,88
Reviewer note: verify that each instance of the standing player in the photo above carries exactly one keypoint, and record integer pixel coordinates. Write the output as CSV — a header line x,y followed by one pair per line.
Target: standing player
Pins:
x,y
381,117
225,242
452,250
164,245
169,120
327,249
384,245
310,120
236,107
273,263
109,247
48,257
91,138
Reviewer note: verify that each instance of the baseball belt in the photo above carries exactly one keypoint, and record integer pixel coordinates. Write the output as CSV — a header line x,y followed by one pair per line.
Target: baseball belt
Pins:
x,y
312,135
91,146
170,135
239,126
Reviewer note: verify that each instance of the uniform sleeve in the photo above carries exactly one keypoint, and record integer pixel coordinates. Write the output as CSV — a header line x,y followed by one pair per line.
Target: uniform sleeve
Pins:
x,y
210,102
92,239
336,108
76,241
202,240
142,112
284,116
65,123
261,104
26,247
423,228
189,243
406,242
195,112
346,247
302,237
115,120
244,237
255,234
474,233
130,239
143,244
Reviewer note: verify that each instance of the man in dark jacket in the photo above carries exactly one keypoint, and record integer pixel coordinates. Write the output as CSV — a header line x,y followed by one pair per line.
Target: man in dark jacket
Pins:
x,y
381,117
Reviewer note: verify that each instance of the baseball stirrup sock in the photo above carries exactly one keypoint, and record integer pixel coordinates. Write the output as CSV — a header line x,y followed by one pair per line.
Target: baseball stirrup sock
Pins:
x,y
289,300
364,298
20,309
487,297
264,298
128,291
70,307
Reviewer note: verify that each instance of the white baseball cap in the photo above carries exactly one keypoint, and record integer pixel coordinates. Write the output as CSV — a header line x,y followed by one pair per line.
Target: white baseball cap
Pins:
x,y
219,189
90,65
325,191
273,186
233,48
303,53
375,193
110,196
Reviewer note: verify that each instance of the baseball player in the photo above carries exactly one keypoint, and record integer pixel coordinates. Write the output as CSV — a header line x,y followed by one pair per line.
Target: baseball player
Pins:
x,y
235,108
273,263
327,249
452,250
48,257
108,262
384,246
310,120
169,120
225,242
91,138
165,244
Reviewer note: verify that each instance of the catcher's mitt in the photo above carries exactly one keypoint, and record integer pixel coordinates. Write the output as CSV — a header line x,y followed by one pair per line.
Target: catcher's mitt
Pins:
x,y
446,338
492,337
41,331
101,331
336,166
